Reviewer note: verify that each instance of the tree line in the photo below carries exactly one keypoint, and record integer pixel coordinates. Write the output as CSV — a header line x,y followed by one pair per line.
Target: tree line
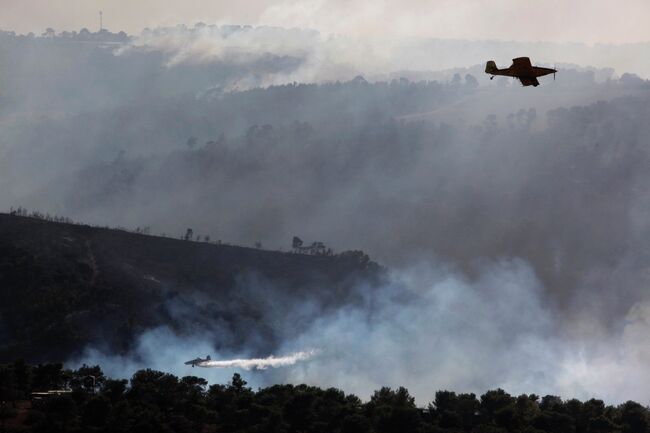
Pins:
x,y
154,401
316,248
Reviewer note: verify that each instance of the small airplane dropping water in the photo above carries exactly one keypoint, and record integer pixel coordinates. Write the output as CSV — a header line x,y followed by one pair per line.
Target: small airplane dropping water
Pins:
x,y
198,361
521,69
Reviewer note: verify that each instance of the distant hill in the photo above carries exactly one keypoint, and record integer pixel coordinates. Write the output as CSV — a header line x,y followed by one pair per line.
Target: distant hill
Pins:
x,y
66,286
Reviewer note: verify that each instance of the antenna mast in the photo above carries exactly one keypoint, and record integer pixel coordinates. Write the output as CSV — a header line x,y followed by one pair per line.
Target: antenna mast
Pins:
x,y
101,22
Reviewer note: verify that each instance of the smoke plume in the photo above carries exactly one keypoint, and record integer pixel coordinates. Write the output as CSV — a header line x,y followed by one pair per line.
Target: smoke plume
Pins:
x,y
260,363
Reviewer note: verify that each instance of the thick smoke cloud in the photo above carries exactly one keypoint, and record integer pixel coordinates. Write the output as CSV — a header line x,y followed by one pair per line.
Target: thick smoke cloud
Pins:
x,y
327,56
526,208
428,329
404,190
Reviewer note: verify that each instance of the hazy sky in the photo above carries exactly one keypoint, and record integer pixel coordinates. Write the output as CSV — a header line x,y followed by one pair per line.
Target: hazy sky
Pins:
x,y
590,21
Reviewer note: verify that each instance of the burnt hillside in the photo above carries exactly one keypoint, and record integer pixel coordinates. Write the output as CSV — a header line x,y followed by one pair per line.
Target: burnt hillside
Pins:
x,y
66,286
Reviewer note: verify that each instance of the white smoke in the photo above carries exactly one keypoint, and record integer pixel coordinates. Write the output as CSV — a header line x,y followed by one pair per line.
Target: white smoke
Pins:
x,y
433,328
260,363
331,57
429,329
321,57
612,368
436,329
164,350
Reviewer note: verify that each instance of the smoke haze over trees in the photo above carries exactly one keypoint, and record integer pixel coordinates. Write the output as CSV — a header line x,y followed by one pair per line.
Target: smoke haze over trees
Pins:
x,y
514,220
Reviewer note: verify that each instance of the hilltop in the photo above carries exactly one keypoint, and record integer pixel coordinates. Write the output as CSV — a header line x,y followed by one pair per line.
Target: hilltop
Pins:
x,y
66,286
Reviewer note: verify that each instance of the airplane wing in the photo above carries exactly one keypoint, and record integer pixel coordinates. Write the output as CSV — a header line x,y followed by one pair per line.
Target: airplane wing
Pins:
x,y
525,81
522,62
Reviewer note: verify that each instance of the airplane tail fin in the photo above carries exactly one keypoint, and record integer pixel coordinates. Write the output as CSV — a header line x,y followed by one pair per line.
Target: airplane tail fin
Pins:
x,y
491,67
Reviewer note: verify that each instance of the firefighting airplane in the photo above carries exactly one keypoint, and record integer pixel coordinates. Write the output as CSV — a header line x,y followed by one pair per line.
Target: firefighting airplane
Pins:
x,y
522,69
198,361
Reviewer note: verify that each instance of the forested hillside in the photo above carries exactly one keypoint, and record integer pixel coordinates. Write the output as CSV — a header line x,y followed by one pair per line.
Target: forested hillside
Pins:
x,y
65,286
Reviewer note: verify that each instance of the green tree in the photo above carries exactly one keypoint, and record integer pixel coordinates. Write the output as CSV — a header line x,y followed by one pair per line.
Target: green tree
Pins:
x,y
634,417
393,411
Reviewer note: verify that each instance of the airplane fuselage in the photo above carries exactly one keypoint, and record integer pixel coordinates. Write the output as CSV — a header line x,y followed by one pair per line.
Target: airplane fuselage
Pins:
x,y
198,362
534,72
